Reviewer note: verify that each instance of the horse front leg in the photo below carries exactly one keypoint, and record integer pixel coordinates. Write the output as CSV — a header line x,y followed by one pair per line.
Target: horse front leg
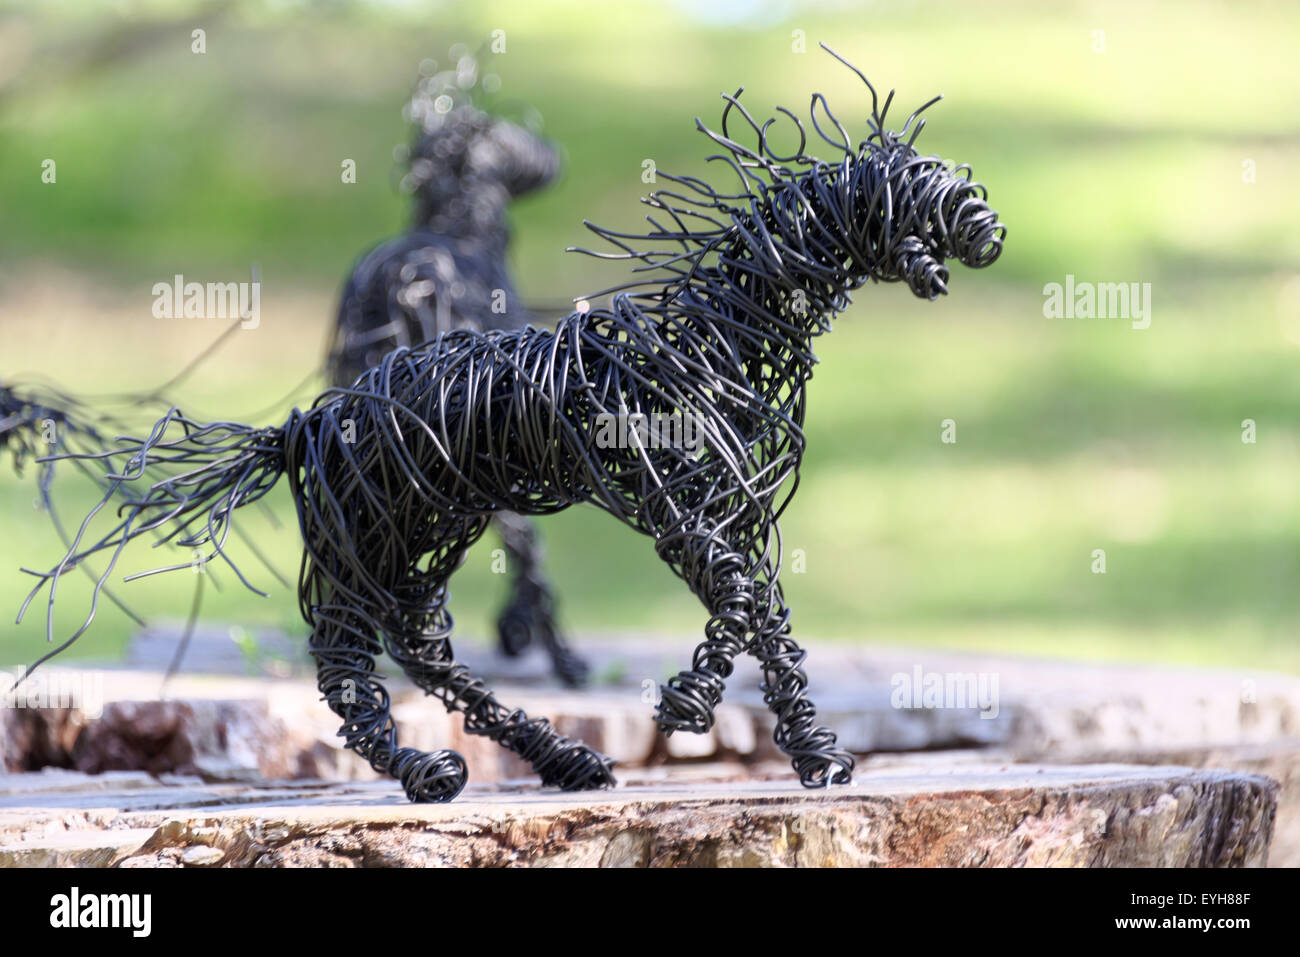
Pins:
x,y
717,575
748,613
811,747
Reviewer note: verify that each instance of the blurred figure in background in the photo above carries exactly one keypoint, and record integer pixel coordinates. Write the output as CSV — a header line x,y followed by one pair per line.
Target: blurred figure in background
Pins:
x,y
449,272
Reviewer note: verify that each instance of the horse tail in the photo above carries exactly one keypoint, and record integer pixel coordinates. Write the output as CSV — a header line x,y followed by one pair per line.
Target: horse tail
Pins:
x,y
184,488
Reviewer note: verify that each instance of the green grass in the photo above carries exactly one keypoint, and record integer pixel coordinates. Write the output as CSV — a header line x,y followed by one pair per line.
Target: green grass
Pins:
x,y
1073,435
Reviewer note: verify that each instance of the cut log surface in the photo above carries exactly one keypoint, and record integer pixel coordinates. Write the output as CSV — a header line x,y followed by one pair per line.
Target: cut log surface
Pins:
x,y
228,729
927,812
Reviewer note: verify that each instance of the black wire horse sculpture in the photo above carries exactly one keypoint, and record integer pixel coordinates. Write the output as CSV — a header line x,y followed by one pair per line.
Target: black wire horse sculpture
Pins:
x,y
449,272
397,475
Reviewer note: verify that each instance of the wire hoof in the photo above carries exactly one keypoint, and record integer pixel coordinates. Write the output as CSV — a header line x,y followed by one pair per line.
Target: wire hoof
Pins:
x,y
686,703
817,770
581,768
570,667
558,761
430,777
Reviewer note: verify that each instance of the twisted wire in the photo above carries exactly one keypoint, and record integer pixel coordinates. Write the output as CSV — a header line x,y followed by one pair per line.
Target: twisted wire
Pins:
x,y
468,142
37,420
82,426
396,475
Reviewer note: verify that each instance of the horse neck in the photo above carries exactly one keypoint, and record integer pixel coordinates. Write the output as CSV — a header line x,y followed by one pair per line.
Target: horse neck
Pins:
x,y
477,212
758,314
760,355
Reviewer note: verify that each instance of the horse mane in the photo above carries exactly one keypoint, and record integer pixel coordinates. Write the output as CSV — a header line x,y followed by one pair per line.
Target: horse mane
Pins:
x,y
781,253
704,223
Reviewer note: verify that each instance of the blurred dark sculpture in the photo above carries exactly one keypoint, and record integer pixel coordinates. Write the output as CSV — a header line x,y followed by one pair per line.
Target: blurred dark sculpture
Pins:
x,y
449,272
397,475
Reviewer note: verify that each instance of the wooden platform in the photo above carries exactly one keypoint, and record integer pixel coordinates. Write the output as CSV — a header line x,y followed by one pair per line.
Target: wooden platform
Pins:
x,y
221,734
938,810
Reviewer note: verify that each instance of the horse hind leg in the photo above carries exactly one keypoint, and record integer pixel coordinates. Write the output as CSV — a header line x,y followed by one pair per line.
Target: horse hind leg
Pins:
x,y
344,643
531,610
420,642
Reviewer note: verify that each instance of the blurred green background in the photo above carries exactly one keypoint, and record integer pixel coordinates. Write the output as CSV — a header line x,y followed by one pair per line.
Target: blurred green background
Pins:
x,y
1119,156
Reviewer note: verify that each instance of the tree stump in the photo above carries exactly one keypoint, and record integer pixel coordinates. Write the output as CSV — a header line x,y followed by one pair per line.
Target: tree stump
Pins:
x,y
967,815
